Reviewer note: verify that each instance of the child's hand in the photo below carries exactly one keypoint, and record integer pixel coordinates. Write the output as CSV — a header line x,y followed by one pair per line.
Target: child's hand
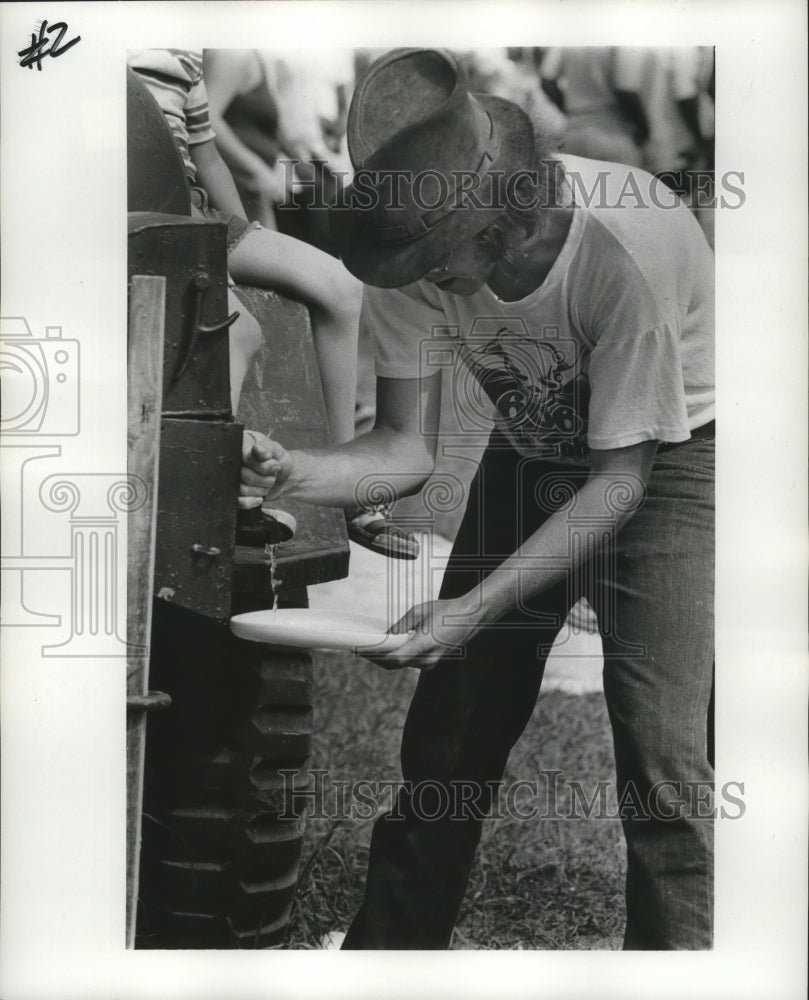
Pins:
x,y
265,465
267,183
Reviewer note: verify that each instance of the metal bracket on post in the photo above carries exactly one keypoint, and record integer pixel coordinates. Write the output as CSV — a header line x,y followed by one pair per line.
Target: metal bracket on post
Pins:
x,y
152,701
201,284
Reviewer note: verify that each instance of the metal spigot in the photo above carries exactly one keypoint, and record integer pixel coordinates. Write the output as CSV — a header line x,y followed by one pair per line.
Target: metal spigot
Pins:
x,y
259,526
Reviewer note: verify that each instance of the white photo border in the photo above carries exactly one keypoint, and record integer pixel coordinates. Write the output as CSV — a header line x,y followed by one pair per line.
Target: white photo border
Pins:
x,y
63,224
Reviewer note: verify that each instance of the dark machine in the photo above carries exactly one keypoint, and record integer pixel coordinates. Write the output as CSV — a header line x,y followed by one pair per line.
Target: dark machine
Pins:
x,y
214,851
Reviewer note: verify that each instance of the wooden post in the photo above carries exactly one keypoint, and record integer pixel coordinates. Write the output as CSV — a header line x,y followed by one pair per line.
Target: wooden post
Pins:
x,y
147,306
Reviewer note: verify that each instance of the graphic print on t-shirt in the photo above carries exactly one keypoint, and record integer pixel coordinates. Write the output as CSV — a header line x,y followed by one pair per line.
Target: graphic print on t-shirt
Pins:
x,y
536,384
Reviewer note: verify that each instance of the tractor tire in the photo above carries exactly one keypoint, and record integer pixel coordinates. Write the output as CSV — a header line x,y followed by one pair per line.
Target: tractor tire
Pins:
x,y
222,831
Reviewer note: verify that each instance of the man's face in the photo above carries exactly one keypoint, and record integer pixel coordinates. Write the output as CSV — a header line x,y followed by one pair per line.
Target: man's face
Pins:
x,y
467,269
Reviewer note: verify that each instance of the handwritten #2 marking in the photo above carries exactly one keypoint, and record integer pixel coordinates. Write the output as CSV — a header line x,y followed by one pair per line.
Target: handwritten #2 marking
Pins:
x,y
38,49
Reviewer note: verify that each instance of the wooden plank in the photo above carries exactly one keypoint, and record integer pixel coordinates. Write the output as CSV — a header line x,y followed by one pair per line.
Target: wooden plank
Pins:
x,y
147,308
196,513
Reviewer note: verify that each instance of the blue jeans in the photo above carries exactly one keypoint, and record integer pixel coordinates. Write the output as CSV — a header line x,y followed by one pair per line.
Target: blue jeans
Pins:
x,y
652,590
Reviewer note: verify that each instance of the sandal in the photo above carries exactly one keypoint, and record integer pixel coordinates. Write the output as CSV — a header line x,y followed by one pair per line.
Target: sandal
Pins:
x,y
373,528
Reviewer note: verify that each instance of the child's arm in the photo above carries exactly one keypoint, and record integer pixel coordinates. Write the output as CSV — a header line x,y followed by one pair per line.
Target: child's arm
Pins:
x,y
214,176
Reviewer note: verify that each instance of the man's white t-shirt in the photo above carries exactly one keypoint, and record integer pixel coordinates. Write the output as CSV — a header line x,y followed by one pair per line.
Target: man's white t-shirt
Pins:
x,y
615,347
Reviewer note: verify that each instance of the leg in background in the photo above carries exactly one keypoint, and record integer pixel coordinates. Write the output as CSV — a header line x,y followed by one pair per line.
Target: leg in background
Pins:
x,y
245,340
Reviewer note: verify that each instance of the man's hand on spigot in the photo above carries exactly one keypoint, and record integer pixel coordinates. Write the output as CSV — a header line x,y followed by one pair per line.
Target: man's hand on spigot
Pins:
x,y
265,465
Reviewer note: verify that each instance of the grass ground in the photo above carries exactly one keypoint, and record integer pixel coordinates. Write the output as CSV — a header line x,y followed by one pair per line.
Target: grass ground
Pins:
x,y
536,884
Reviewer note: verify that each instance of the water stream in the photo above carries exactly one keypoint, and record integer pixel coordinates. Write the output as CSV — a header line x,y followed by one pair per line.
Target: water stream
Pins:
x,y
275,583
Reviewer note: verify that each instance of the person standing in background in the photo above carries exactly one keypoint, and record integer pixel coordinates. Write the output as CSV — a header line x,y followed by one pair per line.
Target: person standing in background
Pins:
x,y
596,89
493,71
245,117
280,124
675,84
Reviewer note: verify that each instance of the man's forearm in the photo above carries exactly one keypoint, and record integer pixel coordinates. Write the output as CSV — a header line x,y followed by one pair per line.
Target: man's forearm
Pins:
x,y
375,468
558,547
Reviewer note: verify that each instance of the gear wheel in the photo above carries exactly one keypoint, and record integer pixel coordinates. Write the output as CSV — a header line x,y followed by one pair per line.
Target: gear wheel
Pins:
x,y
221,837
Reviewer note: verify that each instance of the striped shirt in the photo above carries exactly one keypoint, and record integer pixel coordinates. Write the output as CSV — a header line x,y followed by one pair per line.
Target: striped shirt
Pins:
x,y
174,79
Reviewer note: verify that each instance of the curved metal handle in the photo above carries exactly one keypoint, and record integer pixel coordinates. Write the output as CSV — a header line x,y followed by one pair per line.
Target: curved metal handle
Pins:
x,y
201,284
